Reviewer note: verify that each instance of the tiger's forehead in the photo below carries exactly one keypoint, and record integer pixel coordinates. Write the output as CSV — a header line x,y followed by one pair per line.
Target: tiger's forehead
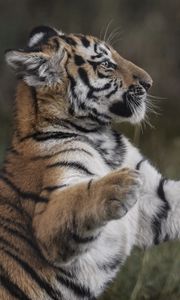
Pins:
x,y
88,46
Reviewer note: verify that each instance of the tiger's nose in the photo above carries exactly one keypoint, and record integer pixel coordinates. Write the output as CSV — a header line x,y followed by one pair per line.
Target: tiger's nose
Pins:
x,y
146,85
144,79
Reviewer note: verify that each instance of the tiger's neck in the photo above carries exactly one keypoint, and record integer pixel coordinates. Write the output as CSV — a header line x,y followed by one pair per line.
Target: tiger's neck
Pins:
x,y
25,110
37,110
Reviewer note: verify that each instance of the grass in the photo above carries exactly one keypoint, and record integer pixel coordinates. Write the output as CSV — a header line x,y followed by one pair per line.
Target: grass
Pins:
x,y
149,275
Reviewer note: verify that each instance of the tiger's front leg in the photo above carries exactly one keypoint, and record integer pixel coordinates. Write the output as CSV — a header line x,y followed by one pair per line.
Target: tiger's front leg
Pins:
x,y
73,217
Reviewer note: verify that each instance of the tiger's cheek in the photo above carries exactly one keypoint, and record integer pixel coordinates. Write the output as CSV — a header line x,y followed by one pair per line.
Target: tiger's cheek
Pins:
x,y
119,108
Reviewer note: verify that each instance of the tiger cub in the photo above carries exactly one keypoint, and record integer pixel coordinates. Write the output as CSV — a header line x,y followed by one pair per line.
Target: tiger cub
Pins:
x,y
75,195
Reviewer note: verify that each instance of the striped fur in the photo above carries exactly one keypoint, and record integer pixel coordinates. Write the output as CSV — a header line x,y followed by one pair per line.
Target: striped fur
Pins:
x,y
72,202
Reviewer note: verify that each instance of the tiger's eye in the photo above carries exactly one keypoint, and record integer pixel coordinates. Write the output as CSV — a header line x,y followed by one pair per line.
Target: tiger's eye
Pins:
x,y
108,65
105,64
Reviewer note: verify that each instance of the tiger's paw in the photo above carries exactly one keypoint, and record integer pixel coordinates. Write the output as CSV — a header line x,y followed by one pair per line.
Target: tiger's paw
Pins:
x,y
117,193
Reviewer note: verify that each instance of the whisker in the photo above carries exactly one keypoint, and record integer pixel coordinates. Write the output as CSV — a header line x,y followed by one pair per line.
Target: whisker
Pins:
x,y
101,32
143,126
156,97
115,33
153,110
111,34
153,107
107,28
147,121
115,41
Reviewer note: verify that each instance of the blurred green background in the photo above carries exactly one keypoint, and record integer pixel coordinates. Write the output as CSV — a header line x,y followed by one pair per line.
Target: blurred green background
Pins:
x,y
148,33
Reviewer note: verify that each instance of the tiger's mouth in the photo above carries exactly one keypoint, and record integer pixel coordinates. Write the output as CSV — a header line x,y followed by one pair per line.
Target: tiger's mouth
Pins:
x,y
132,105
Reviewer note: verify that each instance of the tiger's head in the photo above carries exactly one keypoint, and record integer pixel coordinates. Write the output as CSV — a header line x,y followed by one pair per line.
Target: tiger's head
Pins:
x,y
81,75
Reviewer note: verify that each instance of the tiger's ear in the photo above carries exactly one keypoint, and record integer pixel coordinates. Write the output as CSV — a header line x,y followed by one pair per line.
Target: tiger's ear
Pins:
x,y
36,66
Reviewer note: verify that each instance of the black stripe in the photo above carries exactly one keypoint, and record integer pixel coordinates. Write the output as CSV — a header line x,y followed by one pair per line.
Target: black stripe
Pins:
x,y
67,273
25,238
71,164
160,190
162,214
89,184
71,109
46,136
69,40
78,60
12,288
90,94
18,209
12,222
82,106
34,98
54,294
111,264
84,77
104,116
23,194
140,163
94,64
80,128
166,238
13,151
67,124
85,41
54,187
112,92
97,119
82,240
101,119
99,55
120,145
6,244
103,51
90,116
74,150
56,121
72,84
78,289
95,48
60,152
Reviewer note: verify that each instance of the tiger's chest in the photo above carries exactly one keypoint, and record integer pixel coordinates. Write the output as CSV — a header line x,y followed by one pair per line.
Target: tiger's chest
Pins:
x,y
111,147
94,269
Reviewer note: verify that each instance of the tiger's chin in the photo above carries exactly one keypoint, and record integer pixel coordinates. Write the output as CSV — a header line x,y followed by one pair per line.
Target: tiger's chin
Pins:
x,y
139,115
